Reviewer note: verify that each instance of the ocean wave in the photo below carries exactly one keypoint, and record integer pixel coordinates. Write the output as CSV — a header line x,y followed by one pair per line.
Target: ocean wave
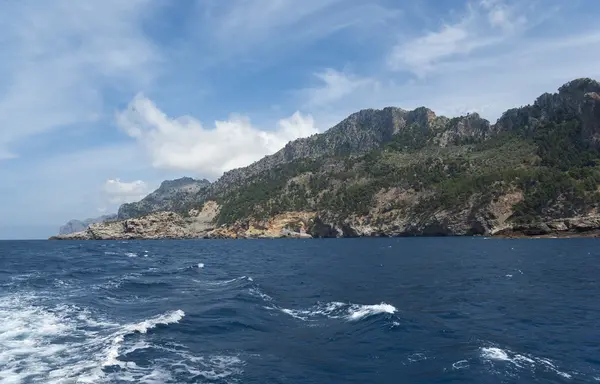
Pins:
x,y
256,292
224,282
520,361
339,310
143,327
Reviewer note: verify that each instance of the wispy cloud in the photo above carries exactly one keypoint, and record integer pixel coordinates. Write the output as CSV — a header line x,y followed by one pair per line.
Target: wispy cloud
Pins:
x,y
243,31
335,85
61,56
184,144
482,25
491,56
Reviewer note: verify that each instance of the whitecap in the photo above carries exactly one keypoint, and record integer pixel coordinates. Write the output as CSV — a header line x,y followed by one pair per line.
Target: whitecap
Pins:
x,y
493,353
131,254
336,310
521,360
258,293
357,312
509,276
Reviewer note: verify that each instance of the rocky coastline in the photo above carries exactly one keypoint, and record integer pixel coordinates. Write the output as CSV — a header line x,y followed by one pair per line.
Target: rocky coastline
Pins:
x,y
392,172
200,224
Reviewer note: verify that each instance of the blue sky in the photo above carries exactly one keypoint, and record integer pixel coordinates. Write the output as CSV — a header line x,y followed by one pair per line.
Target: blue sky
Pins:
x,y
100,100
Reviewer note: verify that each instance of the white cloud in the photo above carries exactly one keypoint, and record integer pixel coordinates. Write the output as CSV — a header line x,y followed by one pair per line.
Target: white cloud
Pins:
x,y
119,192
184,144
60,56
483,25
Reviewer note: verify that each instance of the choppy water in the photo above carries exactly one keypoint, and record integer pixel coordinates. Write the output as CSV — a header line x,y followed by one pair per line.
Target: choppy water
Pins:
x,y
301,311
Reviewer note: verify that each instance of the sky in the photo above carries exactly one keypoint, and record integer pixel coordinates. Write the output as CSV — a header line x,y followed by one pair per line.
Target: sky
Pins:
x,y
101,100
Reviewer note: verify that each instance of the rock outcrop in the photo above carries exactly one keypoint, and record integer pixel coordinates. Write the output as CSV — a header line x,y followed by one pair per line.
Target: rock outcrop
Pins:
x,y
173,195
157,225
78,225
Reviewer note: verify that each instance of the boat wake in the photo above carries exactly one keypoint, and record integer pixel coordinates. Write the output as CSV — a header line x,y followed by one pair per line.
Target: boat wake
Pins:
x,y
68,344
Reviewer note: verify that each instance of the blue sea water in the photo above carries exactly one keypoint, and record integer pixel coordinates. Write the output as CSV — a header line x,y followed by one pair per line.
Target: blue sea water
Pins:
x,y
422,310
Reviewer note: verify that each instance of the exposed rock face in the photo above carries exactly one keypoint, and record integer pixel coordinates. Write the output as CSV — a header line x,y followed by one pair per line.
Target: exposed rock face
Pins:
x,y
577,99
360,133
158,225
172,195
77,225
289,224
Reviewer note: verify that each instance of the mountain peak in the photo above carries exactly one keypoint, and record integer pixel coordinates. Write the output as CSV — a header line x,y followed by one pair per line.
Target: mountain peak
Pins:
x,y
580,87
183,181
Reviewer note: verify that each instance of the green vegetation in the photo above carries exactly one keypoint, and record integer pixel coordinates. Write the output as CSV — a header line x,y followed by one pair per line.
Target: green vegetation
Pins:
x,y
554,167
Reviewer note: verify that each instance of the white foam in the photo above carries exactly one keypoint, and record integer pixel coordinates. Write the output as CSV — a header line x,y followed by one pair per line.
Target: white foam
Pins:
x,y
28,352
258,293
357,312
415,357
336,310
131,254
113,351
224,282
66,344
461,364
493,353
520,360
166,319
509,276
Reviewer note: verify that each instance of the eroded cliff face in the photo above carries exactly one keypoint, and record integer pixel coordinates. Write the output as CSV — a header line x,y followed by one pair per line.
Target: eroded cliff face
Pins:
x,y
472,219
157,225
172,196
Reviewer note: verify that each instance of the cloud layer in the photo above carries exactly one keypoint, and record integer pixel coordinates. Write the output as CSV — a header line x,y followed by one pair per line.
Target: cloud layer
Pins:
x,y
60,57
119,192
184,144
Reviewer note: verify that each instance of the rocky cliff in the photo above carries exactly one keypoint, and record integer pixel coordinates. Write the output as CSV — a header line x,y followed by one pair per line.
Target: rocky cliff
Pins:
x,y
74,225
173,195
393,172
157,225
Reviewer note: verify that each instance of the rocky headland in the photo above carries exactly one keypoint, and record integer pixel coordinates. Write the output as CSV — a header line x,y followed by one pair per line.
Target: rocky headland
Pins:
x,y
393,172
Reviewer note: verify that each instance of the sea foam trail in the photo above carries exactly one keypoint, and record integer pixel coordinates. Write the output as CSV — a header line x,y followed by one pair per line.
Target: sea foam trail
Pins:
x,y
33,346
520,361
28,351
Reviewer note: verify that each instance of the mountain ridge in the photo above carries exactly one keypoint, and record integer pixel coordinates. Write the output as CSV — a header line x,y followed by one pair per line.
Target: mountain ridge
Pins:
x,y
396,172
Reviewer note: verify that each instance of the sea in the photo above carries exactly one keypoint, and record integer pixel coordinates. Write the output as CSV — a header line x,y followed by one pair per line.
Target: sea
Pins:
x,y
406,310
